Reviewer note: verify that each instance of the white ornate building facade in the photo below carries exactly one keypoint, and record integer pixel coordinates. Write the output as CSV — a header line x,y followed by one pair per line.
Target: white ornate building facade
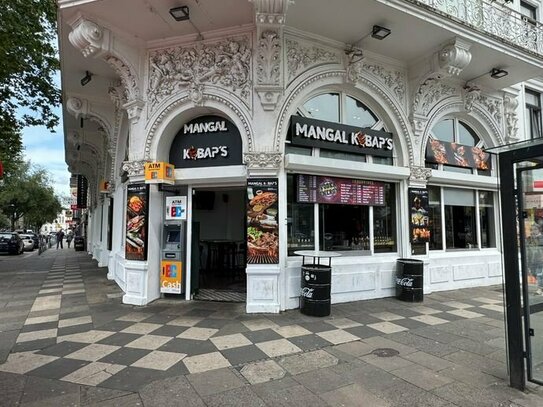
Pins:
x,y
450,73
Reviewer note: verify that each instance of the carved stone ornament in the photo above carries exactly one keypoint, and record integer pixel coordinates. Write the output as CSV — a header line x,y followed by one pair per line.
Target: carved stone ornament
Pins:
x,y
271,11
471,94
301,57
269,97
268,66
75,106
134,168
263,160
133,109
355,65
86,36
394,80
511,119
226,64
453,58
493,107
429,93
420,174
128,78
74,137
117,95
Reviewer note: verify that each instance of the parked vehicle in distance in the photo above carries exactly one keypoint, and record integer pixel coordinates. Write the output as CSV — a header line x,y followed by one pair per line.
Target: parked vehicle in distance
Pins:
x,y
28,242
11,242
36,240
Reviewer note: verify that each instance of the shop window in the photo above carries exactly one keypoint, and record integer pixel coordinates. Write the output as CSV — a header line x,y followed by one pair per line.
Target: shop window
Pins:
x,y
456,210
344,109
455,147
533,113
351,229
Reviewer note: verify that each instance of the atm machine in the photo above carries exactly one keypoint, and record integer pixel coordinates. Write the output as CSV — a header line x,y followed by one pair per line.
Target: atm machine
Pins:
x,y
172,264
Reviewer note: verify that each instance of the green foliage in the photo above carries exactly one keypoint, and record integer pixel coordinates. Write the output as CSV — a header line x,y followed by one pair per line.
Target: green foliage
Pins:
x,y
11,147
28,193
28,62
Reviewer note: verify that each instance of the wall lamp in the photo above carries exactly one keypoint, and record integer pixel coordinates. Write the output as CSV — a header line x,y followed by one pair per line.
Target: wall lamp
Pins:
x,y
495,73
180,13
380,33
86,79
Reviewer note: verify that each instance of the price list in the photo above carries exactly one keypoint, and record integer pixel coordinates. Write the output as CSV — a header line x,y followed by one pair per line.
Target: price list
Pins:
x,y
331,190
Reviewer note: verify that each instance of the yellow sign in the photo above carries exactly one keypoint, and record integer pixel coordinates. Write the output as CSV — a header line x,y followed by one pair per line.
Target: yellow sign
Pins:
x,y
170,276
159,173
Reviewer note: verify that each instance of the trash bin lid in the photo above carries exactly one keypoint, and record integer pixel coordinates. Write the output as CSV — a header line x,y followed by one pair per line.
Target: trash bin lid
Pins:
x,y
414,261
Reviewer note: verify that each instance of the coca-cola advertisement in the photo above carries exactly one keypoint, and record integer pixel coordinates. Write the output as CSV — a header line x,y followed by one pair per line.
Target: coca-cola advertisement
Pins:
x,y
262,226
137,202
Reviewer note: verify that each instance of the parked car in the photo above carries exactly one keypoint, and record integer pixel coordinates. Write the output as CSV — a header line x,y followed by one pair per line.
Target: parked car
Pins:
x,y
11,242
36,239
28,242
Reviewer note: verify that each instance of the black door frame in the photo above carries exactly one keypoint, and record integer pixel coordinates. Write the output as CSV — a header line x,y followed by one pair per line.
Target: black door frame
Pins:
x,y
517,335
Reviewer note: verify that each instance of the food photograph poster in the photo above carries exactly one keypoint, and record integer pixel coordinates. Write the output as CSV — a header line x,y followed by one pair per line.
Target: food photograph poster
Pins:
x,y
419,219
137,200
262,226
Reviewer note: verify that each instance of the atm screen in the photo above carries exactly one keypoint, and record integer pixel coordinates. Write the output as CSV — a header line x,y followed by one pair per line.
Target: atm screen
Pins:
x,y
174,236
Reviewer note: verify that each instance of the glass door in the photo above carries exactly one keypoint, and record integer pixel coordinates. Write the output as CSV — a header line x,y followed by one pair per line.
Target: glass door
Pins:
x,y
530,206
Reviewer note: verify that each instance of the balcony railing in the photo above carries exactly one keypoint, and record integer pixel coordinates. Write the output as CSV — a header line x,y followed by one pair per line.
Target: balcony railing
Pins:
x,y
494,18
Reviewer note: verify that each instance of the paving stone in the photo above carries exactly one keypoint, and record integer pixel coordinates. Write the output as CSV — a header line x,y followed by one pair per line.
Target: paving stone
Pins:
x,y
468,376
11,388
429,361
215,381
462,394
170,392
353,395
38,390
278,347
188,346
356,348
290,396
242,397
306,362
122,401
94,373
424,378
476,362
262,372
59,368
244,354
321,381
24,362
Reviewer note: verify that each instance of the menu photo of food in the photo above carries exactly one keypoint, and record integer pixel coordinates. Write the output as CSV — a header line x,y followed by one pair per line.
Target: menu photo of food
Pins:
x,y
262,226
419,218
136,222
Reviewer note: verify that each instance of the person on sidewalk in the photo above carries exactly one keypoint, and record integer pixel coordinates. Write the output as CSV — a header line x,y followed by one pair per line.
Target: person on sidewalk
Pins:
x,y
69,238
60,238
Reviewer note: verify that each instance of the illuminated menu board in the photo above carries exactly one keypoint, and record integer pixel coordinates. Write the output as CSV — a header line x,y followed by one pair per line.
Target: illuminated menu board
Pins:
x,y
331,190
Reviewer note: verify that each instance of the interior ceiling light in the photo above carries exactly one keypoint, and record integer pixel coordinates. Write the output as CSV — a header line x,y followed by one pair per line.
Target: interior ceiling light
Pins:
x,y
180,13
380,33
497,73
86,79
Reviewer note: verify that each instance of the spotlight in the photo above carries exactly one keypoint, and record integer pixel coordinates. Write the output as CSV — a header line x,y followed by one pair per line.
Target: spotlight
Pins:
x,y
380,33
180,13
86,79
498,73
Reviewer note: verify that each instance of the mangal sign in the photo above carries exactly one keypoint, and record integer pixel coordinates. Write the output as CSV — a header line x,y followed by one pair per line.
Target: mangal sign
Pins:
x,y
207,141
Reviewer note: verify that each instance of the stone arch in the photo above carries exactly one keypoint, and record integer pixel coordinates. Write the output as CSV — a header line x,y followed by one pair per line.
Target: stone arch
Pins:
x,y
166,123
377,97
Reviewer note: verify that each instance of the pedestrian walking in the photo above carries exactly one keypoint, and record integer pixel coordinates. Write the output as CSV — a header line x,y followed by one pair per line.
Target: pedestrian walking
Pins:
x,y
69,239
60,238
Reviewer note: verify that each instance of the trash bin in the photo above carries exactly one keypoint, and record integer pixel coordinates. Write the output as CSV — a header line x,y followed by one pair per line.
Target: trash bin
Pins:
x,y
315,294
409,280
79,243
316,279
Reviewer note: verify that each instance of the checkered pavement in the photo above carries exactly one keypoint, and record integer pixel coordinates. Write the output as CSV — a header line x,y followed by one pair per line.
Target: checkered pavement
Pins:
x,y
77,331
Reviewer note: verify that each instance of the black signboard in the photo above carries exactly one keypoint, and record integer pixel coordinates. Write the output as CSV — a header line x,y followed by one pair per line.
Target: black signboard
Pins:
x,y
457,155
82,186
137,214
207,141
262,216
419,219
331,190
334,136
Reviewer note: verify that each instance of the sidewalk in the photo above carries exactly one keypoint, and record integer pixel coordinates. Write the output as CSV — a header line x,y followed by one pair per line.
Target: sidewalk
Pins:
x,y
66,340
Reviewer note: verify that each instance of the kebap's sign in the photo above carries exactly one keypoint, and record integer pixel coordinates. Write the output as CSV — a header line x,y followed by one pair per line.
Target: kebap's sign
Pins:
x,y
334,136
207,141
159,173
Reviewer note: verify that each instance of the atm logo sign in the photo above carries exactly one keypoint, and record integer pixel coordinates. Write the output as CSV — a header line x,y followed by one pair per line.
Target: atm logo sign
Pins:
x,y
170,277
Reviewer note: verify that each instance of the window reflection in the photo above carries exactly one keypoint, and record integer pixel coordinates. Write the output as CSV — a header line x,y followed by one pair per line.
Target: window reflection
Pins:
x,y
323,107
357,114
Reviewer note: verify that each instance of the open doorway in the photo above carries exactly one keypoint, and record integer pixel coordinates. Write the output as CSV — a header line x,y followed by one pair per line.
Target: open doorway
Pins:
x,y
219,244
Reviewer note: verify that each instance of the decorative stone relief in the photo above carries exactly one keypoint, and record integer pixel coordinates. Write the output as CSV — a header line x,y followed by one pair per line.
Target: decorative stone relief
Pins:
x,y
471,94
117,95
263,159
271,11
134,168
133,109
511,119
419,175
226,64
301,57
493,107
429,93
127,77
268,60
394,80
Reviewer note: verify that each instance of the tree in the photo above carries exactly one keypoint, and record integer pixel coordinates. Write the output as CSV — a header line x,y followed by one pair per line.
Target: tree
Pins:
x,y
28,62
28,194
11,147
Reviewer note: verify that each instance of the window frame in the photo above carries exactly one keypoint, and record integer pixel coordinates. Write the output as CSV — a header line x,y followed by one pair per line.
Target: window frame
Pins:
x,y
536,109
